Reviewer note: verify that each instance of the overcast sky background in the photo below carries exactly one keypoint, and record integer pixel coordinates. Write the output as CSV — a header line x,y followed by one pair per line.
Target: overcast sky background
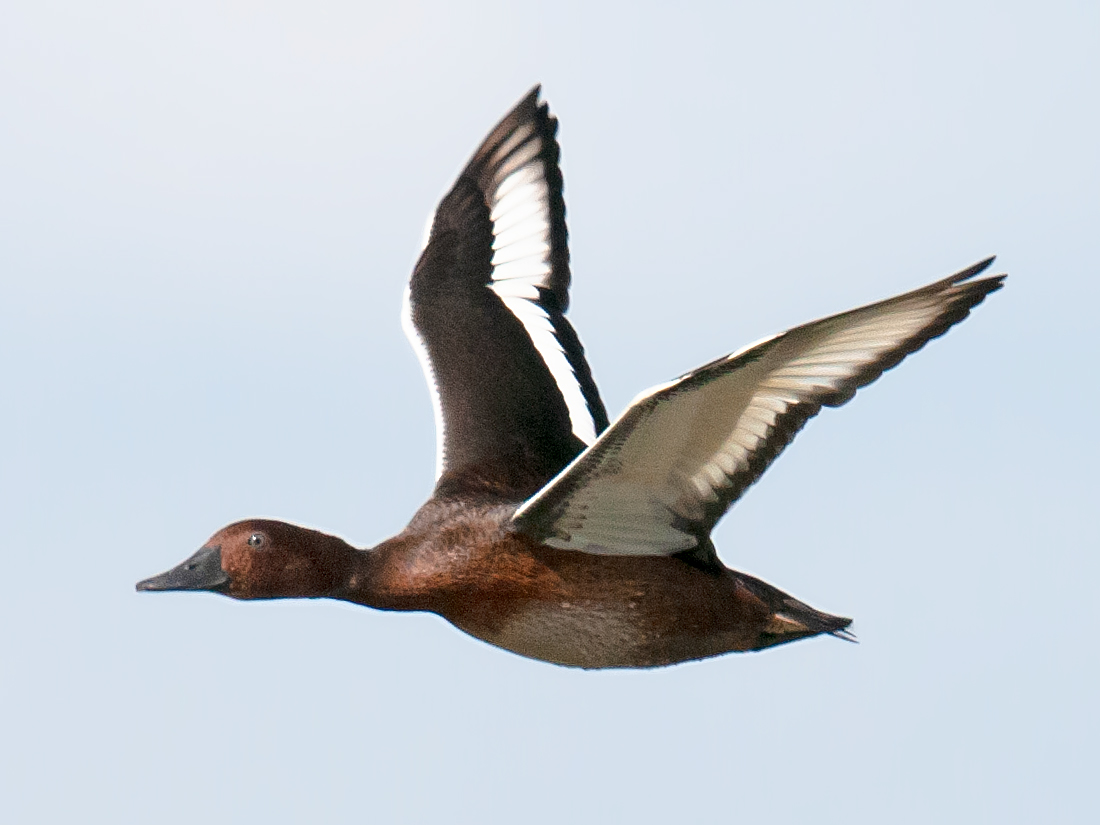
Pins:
x,y
208,213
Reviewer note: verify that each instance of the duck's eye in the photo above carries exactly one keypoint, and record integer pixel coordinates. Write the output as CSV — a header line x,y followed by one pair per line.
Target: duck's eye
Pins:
x,y
256,539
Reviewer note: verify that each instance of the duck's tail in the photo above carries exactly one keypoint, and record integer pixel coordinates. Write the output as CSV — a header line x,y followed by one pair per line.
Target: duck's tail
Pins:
x,y
792,619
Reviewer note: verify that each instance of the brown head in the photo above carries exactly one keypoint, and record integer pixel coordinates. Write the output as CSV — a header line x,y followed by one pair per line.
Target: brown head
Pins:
x,y
260,559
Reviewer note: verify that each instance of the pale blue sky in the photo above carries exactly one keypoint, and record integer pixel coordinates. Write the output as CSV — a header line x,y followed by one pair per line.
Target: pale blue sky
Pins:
x,y
209,211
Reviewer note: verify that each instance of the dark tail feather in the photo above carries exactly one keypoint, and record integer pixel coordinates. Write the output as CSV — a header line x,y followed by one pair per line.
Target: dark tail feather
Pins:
x,y
792,619
845,635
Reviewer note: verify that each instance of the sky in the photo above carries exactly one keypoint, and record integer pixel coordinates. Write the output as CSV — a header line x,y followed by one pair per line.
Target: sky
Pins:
x,y
209,211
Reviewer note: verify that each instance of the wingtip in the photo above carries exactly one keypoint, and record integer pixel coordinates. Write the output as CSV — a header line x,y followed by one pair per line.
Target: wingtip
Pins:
x,y
975,269
533,103
533,98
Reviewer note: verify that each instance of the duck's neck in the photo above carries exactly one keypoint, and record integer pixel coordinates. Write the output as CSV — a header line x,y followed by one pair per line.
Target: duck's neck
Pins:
x,y
369,579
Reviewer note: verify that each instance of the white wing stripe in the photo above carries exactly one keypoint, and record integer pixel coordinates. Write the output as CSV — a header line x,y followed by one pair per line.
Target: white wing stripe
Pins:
x,y
512,217
531,174
520,212
538,326
535,249
523,272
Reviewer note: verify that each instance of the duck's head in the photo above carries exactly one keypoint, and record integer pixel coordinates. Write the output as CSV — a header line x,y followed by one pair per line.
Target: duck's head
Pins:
x,y
260,559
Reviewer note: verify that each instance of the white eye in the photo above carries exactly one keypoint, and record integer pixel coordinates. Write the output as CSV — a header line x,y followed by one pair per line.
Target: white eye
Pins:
x,y
256,539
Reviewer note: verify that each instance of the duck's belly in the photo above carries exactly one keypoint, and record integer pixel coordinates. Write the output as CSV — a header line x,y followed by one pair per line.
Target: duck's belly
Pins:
x,y
591,635
589,611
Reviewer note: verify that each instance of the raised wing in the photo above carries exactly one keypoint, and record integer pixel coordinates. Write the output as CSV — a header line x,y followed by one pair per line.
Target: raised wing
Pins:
x,y
485,310
660,478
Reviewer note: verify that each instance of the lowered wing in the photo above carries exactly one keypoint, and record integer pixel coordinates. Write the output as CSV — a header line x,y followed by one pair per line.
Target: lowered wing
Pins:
x,y
659,479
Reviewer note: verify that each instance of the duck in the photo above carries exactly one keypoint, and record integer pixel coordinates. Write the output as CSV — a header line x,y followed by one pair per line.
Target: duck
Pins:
x,y
552,532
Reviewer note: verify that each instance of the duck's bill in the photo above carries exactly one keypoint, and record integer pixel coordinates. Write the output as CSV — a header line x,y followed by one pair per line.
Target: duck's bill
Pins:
x,y
203,571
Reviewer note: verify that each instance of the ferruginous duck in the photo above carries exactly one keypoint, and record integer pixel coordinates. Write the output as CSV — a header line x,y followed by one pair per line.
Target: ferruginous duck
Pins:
x,y
550,532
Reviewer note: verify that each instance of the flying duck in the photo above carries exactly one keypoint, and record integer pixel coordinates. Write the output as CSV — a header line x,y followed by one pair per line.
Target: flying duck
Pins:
x,y
551,532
